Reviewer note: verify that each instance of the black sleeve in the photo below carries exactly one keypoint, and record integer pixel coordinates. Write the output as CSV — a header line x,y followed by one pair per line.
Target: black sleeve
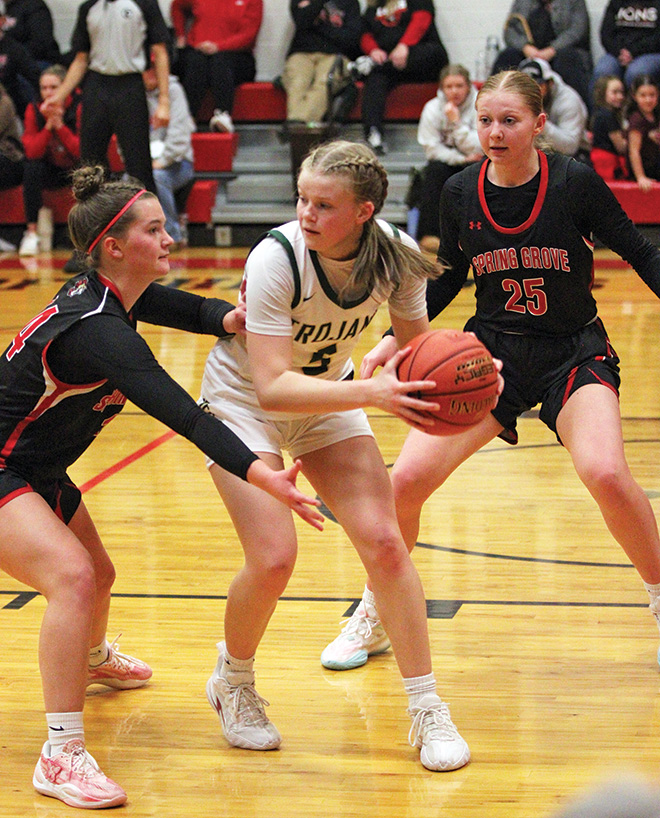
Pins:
x,y
80,37
607,29
441,291
105,347
596,211
168,307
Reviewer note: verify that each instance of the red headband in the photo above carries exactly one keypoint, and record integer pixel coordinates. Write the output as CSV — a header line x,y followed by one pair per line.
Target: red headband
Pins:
x,y
116,219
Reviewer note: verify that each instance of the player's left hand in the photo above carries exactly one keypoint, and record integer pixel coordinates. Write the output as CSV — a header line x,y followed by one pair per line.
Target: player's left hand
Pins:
x,y
282,486
234,321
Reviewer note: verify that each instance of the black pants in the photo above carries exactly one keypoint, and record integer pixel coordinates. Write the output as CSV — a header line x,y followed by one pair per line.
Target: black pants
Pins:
x,y
39,175
424,64
436,174
11,173
116,105
220,72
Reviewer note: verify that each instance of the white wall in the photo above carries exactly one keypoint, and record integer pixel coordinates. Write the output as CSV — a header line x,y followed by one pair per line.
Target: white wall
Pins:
x,y
463,25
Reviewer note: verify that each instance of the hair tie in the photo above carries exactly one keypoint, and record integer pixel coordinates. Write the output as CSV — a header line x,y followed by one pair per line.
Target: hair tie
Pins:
x,y
116,218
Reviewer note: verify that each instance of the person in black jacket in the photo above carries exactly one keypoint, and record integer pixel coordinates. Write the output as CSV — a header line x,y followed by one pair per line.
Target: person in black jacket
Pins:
x,y
19,71
30,23
630,34
324,29
403,45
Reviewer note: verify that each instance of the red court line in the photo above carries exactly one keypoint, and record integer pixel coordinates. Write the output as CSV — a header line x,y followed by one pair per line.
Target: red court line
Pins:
x,y
126,461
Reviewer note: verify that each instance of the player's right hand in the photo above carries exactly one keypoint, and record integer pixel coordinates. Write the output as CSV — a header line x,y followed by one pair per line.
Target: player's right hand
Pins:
x,y
378,356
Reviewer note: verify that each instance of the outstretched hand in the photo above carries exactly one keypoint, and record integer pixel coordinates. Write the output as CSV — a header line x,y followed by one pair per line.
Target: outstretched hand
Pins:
x,y
378,356
282,486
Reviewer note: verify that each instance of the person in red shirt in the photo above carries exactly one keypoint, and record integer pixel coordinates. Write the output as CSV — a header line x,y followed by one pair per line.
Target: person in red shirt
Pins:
x,y
216,39
52,148
402,44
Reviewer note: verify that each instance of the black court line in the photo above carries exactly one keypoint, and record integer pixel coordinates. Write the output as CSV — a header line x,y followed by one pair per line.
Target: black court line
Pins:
x,y
435,608
467,552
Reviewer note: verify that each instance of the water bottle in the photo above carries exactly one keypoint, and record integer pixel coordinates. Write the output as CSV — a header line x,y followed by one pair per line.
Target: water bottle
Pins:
x,y
492,50
480,67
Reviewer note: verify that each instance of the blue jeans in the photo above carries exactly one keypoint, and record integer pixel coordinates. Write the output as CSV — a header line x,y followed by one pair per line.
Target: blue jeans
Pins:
x,y
644,64
168,181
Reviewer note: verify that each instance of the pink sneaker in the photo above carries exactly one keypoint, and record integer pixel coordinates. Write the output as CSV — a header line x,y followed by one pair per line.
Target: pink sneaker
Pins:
x,y
119,670
74,777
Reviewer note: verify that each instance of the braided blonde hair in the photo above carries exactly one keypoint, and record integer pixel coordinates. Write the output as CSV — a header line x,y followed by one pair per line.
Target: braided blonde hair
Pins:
x,y
382,261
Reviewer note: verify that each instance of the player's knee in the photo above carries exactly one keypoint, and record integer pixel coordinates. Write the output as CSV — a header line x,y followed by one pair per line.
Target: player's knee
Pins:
x,y
606,479
388,554
274,570
75,581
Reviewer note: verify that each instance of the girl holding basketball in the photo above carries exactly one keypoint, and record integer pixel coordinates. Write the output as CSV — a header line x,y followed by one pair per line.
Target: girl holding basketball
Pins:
x,y
63,378
311,287
524,221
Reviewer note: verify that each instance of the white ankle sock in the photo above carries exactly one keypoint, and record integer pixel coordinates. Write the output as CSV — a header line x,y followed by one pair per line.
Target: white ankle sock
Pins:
x,y
63,727
235,671
99,654
369,603
654,596
417,687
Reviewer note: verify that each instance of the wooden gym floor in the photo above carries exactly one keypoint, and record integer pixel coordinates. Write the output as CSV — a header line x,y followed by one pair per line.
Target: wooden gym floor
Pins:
x,y
541,639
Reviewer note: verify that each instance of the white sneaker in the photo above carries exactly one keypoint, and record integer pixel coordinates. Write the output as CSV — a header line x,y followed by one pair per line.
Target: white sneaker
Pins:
x,y
360,638
29,244
221,121
441,746
242,714
375,142
73,776
7,246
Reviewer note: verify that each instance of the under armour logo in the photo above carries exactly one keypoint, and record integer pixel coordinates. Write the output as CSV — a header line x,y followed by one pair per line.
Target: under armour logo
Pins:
x,y
475,225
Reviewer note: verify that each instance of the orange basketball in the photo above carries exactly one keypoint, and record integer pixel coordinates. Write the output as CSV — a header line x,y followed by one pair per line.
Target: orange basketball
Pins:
x,y
464,374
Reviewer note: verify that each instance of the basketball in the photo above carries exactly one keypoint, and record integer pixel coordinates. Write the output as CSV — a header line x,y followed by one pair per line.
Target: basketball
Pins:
x,y
464,374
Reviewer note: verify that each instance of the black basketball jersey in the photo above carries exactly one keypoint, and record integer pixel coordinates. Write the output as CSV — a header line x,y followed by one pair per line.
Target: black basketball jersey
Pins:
x,y
45,425
536,277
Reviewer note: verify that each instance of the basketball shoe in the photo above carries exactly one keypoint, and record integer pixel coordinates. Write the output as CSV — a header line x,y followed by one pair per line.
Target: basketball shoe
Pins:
x,y
73,776
119,670
441,746
241,711
361,637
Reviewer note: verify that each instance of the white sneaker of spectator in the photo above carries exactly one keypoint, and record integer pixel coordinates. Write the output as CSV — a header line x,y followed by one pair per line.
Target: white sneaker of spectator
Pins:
x,y
360,67
221,121
29,244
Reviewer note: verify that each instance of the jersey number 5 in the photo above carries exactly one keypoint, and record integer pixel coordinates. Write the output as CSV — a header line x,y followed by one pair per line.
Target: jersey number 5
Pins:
x,y
38,321
322,359
526,298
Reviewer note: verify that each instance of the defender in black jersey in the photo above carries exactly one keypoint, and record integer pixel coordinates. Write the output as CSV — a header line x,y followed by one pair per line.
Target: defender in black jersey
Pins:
x,y
64,377
524,222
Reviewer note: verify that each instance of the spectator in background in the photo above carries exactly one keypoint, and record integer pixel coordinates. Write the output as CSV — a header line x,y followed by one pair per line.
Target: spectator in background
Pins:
x,y
565,126
609,146
448,133
12,157
217,38
630,34
17,64
52,148
644,132
403,45
556,31
171,151
324,29
30,23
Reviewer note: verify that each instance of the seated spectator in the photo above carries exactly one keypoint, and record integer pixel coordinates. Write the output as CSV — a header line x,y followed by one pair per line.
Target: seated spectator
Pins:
x,y
630,35
30,23
19,71
556,31
323,29
609,146
644,132
52,148
448,133
403,45
216,51
171,151
12,157
565,127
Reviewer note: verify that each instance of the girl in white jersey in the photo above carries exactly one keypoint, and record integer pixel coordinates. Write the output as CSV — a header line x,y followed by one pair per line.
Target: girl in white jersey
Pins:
x,y
311,287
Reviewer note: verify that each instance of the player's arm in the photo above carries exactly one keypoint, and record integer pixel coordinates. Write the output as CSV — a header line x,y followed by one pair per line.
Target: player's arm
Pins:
x,y
168,307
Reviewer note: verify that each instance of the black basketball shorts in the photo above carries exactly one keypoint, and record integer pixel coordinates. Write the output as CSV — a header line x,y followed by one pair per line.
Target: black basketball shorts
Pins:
x,y
61,495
